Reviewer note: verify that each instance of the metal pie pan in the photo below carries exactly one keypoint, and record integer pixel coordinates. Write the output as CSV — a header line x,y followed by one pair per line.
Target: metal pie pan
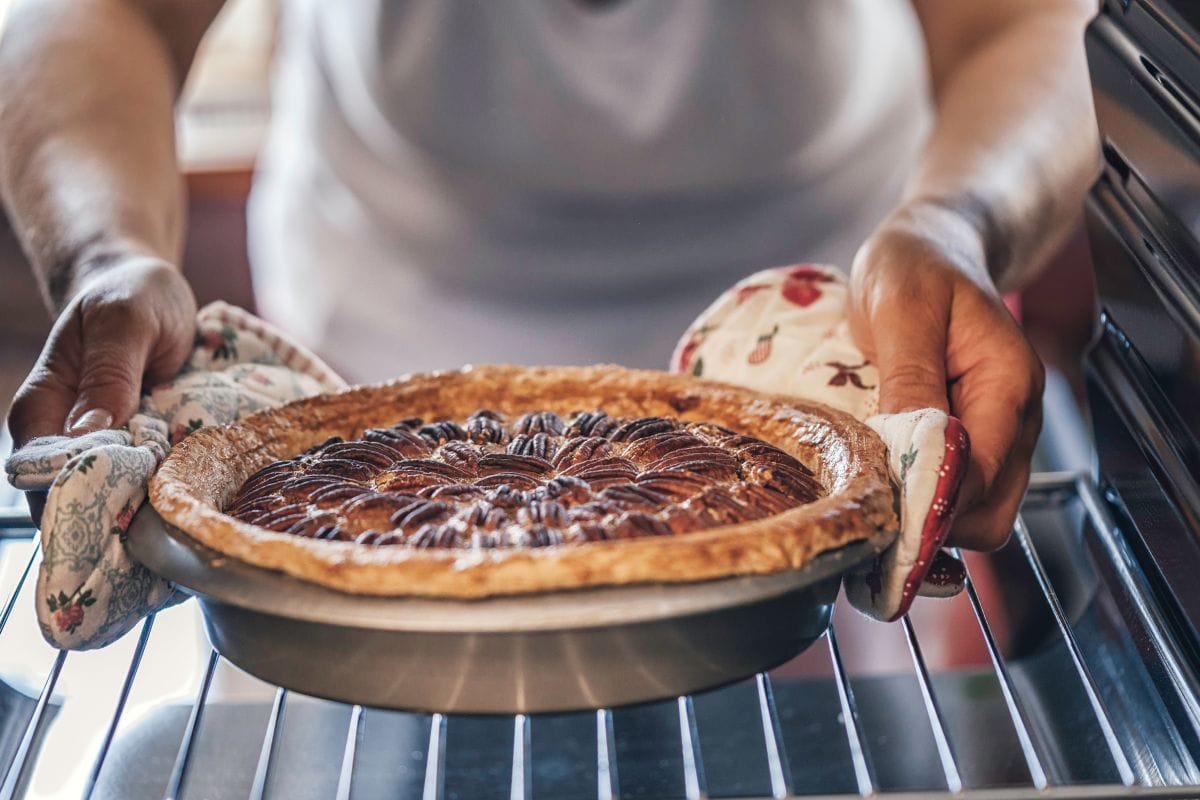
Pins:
x,y
550,652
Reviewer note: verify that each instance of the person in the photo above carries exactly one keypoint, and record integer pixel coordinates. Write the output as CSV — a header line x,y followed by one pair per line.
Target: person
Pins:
x,y
566,181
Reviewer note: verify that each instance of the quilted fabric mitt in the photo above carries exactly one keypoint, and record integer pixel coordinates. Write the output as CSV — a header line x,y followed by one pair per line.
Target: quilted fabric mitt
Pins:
x,y
89,590
785,331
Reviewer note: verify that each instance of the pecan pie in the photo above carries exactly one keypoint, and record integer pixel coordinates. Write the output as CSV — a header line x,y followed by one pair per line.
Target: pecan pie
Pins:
x,y
535,481
675,480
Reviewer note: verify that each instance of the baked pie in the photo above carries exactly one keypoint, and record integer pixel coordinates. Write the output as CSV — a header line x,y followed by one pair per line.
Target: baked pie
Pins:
x,y
503,480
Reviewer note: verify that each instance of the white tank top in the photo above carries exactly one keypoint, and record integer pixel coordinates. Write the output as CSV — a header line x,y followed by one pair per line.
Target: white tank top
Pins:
x,y
557,181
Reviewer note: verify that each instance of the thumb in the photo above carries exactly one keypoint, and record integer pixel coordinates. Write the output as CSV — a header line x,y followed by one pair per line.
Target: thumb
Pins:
x,y
908,341
110,382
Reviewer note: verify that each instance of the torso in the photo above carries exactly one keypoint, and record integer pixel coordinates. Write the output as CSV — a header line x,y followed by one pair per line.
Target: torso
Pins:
x,y
556,181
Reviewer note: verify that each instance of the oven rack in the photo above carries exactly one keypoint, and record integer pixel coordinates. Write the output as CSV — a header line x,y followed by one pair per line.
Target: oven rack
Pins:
x,y
741,741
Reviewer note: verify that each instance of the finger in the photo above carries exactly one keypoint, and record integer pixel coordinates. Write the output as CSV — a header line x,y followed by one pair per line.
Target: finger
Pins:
x,y
110,379
168,356
40,408
41,405
988,525
908,340
996,400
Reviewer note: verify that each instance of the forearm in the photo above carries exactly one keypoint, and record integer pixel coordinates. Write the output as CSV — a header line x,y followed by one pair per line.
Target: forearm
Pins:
x,y
87,156
1013,148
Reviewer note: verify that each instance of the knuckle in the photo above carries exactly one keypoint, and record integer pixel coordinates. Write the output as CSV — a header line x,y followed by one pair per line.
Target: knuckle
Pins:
x,y
107,372
992,538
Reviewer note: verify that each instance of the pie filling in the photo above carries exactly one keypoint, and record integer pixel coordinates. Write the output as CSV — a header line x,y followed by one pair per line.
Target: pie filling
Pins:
x,y
534,481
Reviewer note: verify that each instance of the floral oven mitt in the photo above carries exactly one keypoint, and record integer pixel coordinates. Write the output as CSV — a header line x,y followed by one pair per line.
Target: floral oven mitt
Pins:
x,y
785,331
89,590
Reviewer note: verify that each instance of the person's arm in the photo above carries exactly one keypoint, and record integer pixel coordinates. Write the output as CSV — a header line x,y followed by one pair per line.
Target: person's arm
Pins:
x,y
89,181
1002,179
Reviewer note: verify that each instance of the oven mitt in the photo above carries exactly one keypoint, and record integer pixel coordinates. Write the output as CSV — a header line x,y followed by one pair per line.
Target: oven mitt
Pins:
x,y
89,590
785,331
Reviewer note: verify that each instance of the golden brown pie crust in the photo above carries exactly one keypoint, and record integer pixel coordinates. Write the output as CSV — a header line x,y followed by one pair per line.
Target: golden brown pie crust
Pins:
x,y
204,471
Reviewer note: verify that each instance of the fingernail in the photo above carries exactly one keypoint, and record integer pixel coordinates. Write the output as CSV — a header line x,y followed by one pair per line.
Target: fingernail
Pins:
x,y
94,420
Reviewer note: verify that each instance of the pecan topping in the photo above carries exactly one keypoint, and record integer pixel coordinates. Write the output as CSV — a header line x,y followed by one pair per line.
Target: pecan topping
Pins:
x,y
455,491
634,497
309,527
518,480
420,512
793,481
459,454
283,517
718,460
592,423
640,428
650,448
582,448
545,512
507,496
595,466
364,451
303,486
539,445
410,479
532,466
439,469
483,427
440,432
271,475
538,482
444,536
567,488
343,468
401,441
338,492
677,485
538,422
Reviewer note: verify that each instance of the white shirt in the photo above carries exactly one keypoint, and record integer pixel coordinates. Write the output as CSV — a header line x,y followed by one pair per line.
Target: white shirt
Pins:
x,y
548,181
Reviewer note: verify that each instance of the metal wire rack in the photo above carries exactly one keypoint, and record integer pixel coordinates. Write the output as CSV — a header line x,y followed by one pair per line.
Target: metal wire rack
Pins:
x,y
1080,691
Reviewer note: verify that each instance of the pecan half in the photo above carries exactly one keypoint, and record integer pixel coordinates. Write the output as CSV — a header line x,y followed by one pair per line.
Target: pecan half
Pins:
x,y
640,428
592,423
494,463
582,448
283,517
452,492
459,454
436,433
567,489
364,451
484,428
677,485
401,441
634,498
650,448
538,422
441,536
517,480
343,468
419,513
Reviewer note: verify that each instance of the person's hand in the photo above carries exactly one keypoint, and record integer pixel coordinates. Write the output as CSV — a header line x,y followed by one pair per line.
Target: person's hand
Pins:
x,y
924,309
130,324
